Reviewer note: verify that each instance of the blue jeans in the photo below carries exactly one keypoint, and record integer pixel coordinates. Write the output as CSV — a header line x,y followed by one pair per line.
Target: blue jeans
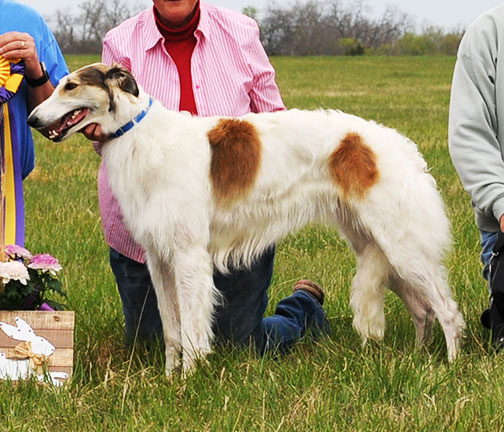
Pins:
x,y
488,240
239,320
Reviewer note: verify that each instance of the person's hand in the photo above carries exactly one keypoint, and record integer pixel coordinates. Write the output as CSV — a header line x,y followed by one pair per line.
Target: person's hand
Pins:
x,y
94,132
501,223
15,45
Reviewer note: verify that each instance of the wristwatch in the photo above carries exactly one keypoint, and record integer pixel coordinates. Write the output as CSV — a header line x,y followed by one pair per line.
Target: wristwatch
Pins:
x,y
38,81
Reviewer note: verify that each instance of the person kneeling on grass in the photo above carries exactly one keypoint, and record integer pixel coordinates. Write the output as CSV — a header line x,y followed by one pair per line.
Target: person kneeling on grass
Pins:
x,y
476,141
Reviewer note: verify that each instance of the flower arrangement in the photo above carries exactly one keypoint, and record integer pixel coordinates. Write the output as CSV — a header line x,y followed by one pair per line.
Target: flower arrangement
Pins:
x,y
26,279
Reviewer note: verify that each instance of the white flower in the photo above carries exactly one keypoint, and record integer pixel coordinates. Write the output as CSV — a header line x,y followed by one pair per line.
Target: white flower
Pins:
x,y
14,270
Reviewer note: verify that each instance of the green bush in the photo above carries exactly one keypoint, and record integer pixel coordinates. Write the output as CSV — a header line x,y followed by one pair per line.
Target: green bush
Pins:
x,y
351,47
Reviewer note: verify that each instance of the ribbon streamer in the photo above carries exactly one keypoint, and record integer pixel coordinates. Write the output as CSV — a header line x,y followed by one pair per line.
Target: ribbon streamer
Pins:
x,y
12,203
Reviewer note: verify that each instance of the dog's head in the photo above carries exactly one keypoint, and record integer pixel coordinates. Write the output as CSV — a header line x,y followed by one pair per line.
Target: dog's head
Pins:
x,y
98,93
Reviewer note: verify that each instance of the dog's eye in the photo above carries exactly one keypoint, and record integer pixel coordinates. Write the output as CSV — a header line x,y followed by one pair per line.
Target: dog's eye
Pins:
x,y
70,86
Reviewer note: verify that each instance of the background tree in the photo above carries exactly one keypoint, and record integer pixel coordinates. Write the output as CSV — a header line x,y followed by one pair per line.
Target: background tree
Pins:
x,y
83,32
250,11
330,27
336,27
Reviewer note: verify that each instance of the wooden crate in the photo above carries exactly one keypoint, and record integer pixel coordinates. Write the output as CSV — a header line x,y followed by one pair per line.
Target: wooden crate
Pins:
x,y
57,327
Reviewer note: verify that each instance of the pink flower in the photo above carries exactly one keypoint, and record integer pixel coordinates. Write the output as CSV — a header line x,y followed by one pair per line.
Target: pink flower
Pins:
x,y
13,270
15,251
46,263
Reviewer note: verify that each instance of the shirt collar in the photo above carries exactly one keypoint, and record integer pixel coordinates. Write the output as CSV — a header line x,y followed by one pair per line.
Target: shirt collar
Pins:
x,y
204,22
152,35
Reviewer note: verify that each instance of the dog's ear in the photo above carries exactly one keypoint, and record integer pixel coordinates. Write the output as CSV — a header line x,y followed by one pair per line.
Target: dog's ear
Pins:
x,y
123,79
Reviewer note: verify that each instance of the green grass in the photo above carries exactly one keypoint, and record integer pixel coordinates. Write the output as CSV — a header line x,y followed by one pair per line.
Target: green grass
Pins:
x,y
333,384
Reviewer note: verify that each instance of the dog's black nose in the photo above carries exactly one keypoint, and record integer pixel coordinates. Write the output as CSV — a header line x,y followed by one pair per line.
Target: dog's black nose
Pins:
x,y
33,121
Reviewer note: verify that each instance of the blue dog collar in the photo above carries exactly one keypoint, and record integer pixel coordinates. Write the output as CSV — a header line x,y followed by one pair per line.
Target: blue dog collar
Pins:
x,y
122,130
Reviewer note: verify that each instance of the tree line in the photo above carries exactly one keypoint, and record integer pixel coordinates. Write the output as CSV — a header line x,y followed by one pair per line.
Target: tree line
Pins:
x,y
305,27
81,30
336,27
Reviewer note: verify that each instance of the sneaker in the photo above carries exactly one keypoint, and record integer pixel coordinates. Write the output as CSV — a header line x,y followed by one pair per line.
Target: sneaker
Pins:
x,y
310,287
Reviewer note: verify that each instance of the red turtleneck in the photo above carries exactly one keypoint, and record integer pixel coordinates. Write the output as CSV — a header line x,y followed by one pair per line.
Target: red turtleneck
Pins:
x,y
180,43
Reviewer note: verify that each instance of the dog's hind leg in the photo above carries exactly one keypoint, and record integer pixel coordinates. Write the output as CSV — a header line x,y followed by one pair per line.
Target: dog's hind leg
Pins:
x,y
430,284
164,285
197,297
413,234
367,295
373,266
420,310
423,276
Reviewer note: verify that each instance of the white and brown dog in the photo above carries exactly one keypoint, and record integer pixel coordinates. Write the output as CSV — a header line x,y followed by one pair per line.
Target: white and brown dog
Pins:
x,y
203,192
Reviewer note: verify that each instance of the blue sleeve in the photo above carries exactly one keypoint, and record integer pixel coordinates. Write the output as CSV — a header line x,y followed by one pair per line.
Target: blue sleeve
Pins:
x,y
49,52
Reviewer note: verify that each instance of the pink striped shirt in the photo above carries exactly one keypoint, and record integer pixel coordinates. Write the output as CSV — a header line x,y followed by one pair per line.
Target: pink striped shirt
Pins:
x,y
231,75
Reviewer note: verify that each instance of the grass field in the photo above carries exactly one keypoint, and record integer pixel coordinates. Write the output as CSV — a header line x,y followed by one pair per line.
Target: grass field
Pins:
x,y
330,385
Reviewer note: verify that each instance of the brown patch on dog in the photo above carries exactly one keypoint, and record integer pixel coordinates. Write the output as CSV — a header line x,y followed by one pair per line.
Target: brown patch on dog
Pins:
x,y
353,166
236,158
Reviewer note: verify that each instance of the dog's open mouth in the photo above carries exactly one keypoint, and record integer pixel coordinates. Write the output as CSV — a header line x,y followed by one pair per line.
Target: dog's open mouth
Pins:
x,y
58,128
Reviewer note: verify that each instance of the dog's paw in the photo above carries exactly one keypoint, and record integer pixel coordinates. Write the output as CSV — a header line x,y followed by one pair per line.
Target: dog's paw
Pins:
x,y
190,366
172,360
374,330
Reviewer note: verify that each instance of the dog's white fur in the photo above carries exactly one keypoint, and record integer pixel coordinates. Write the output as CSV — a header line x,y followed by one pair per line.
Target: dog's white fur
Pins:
x,y
159,172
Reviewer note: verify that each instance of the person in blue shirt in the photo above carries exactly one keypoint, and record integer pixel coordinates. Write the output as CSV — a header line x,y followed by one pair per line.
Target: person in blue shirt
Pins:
x,y
25,35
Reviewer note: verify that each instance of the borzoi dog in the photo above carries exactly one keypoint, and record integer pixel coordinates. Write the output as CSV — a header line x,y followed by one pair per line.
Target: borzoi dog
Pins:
x,y
217,191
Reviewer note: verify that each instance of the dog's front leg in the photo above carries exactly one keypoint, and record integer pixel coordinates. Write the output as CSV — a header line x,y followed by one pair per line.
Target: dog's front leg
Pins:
x,y
163,280
197,297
